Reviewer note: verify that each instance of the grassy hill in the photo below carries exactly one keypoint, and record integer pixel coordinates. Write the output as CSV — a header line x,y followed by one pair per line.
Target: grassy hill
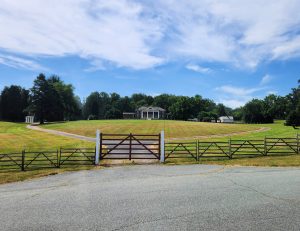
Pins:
x,y
172,128
175,129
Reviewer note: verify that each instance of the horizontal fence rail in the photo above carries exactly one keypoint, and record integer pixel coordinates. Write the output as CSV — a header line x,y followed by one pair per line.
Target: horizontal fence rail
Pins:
x,y
181,150
247,147
76,156
214,149
11,160
42,159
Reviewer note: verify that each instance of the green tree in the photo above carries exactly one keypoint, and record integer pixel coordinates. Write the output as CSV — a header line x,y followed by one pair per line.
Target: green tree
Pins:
x,y
293,118
14,101
181,109
52,99
255,112
91,106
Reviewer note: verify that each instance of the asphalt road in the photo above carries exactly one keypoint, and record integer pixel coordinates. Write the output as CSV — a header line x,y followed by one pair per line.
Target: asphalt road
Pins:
x,y
156,197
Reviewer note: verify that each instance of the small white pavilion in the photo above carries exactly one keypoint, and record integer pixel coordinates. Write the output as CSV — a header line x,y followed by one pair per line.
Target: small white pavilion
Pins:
x,y
29,119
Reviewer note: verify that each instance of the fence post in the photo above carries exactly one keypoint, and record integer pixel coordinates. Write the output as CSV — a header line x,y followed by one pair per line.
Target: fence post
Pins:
x,y
298,148
23,160
229,148
162,147
100,152
57,160
97,147
59,157
130,144
197,150
265,146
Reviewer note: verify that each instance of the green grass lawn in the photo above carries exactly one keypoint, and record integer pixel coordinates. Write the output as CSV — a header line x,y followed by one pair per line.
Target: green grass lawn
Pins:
x,y
172,128
15,136
175,129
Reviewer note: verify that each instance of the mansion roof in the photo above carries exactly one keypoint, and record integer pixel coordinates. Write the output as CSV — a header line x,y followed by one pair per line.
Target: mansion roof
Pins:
x,y
150,109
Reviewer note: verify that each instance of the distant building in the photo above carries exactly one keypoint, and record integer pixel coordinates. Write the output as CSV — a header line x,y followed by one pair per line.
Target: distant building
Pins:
x,y
146,113
129,115
226,119
193,119
29,119
151,113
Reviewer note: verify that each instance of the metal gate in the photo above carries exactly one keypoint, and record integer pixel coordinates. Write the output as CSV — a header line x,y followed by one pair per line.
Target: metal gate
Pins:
x,y
129,146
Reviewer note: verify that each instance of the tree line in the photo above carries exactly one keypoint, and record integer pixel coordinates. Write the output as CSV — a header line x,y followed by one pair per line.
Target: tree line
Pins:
x,y
50,99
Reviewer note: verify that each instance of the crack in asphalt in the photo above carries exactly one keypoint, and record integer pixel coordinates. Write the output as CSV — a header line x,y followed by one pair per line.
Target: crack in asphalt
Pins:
x,y
194,214
249,188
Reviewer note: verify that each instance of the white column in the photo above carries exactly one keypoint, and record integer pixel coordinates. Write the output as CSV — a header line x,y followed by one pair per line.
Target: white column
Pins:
x,y
162,147
147,115
97,154
158,114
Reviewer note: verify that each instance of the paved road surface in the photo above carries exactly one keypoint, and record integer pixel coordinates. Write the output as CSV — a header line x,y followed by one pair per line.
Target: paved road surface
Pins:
x,y
156,197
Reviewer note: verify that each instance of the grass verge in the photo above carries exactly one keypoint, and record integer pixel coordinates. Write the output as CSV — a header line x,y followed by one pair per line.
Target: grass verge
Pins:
x,y
17,175
261,161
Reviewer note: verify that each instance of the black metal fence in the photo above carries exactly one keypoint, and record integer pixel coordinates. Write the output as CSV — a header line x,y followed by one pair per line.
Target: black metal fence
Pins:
x,y
232,148
26,160
148,147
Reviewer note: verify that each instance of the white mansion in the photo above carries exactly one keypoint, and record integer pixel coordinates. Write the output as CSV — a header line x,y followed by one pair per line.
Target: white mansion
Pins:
x,y
146,113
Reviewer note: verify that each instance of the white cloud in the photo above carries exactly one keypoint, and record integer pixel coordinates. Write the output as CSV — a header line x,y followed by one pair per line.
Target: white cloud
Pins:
x,y
115,31
287,49
243,33
232,103
197,68
265,79
237,96
272,92
238,91
17,62
144,34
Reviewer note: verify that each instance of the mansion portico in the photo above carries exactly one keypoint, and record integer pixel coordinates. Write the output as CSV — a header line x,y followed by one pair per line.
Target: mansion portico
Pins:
x,y
150,113
146,113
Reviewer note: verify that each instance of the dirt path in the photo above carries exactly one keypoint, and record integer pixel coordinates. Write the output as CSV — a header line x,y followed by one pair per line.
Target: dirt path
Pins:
x,y
60,133
90,139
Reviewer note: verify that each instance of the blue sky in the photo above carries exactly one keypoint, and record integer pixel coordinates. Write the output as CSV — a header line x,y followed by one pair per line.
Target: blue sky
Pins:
x,y
229,51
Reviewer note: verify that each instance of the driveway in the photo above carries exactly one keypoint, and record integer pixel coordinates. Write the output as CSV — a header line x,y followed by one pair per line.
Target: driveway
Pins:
x,y
156,197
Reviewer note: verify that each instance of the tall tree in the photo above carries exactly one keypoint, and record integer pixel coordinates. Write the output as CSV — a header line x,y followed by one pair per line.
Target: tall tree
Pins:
x,y
293,118
91,106
14,101
52,100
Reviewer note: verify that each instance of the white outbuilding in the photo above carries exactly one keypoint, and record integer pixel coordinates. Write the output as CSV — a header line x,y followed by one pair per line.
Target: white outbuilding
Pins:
x,y
29,119
226,119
